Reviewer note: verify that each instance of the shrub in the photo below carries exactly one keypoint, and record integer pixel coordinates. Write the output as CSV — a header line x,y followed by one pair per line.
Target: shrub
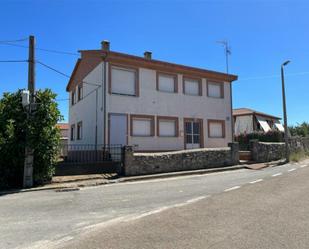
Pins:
x,y
298,156
38,132
270,136
300,129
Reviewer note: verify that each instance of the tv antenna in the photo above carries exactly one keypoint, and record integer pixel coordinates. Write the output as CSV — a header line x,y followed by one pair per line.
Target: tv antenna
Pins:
x,y
227,51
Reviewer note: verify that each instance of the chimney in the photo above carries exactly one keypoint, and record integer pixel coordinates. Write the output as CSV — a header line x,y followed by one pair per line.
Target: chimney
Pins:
x,y
147,55
105,45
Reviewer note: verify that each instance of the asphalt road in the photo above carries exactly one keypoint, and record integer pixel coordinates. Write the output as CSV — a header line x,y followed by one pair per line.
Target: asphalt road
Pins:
x,y
236,209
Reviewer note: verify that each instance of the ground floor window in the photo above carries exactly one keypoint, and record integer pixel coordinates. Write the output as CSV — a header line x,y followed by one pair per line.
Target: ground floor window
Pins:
x,y
72,132
142,125
167,126
216,128
79,130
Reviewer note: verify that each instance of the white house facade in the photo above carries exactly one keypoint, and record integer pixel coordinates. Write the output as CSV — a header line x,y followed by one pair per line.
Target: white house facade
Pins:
x,y
117,98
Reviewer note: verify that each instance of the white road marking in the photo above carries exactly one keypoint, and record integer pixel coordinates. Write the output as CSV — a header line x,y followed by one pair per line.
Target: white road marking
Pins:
x,y
256,181
196,199
290,170
232,188
159,210
278,174
303,166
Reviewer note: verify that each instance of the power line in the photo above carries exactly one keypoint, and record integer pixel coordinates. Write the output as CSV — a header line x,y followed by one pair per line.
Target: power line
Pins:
x,y
40,49
65,75
273,76
18,40
14,61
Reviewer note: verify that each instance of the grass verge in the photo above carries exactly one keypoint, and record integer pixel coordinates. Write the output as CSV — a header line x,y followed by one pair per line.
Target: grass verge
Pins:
x,y
298,156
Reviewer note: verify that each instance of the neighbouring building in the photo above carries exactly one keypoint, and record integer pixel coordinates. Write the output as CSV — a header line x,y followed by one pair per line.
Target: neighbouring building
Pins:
x,y
116,98
64,137
247,121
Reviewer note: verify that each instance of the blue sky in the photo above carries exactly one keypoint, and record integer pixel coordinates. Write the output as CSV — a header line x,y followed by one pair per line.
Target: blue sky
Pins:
x,y
262,35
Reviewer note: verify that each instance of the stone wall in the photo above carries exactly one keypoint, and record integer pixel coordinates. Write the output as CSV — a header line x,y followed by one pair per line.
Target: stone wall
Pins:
x,y
299,144
266,152
151,163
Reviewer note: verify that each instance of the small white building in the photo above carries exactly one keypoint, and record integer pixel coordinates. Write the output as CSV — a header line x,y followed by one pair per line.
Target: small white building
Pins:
x,y
117,98
247,121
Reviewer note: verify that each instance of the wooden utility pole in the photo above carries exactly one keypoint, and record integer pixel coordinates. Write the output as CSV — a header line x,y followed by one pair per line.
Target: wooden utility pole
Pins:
x,y
28,165
31,69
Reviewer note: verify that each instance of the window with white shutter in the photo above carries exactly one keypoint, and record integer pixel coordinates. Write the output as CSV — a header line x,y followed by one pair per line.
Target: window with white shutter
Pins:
x,y
167,126
215,90
166,82
216,129
123,81
142,125
192,87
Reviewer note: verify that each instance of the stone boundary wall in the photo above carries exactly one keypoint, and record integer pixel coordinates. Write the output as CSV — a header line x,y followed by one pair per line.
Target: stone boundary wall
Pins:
x,y
266,152
151,163
299,144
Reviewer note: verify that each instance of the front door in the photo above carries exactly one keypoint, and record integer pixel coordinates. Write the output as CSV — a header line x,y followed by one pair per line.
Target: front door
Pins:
x,y
118,129
192,134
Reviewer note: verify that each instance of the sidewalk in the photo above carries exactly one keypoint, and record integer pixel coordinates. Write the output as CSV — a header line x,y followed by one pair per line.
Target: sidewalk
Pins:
x,y
72,183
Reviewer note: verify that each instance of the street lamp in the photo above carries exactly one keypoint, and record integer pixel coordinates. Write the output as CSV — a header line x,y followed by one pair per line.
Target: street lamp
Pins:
x,y
286,135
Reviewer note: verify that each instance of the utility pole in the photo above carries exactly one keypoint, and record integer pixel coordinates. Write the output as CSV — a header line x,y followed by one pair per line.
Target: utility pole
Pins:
x,y
286,132
28,165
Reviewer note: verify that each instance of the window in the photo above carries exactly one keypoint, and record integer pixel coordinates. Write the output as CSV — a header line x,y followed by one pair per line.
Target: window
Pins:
x,y
73,97
215,89
72,135
192,86
167,126
79,130
80,92
216,128
167,82
123,81
142,125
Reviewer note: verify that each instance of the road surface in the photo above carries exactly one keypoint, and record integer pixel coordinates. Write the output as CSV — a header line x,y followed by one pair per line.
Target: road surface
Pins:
x,y
235,209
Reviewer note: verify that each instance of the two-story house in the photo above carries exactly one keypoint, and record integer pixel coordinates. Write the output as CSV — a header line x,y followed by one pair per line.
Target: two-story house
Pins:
x,y
116,98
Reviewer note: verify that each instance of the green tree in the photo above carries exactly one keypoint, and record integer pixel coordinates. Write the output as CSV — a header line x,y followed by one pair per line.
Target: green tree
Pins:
x,y
300,129
37,131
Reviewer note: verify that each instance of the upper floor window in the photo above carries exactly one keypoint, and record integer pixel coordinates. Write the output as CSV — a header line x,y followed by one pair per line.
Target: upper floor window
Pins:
x,y
72,132
123,81
79,92
216,128
73,97
142,125
215,89
167,82
192,86
167,126
79,130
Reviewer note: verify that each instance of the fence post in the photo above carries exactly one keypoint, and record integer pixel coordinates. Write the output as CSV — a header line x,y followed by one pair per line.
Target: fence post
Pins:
x,y
254,143
128,159
234,152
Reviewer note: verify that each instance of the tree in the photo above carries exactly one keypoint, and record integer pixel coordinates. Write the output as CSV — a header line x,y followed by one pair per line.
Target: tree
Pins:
x,y
38,131
300,129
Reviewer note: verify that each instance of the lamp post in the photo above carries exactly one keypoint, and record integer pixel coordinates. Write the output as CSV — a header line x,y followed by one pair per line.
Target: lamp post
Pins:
x,y
286,133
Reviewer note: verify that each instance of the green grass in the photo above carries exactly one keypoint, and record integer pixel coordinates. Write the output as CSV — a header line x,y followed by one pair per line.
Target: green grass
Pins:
x,y
298,156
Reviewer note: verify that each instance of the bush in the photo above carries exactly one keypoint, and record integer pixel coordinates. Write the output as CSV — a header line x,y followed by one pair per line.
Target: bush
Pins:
x,y
298,156
38,132
300,129
270,136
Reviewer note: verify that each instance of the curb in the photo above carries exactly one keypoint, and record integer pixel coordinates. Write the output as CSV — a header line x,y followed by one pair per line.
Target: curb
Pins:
x,y
179,173
125,179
